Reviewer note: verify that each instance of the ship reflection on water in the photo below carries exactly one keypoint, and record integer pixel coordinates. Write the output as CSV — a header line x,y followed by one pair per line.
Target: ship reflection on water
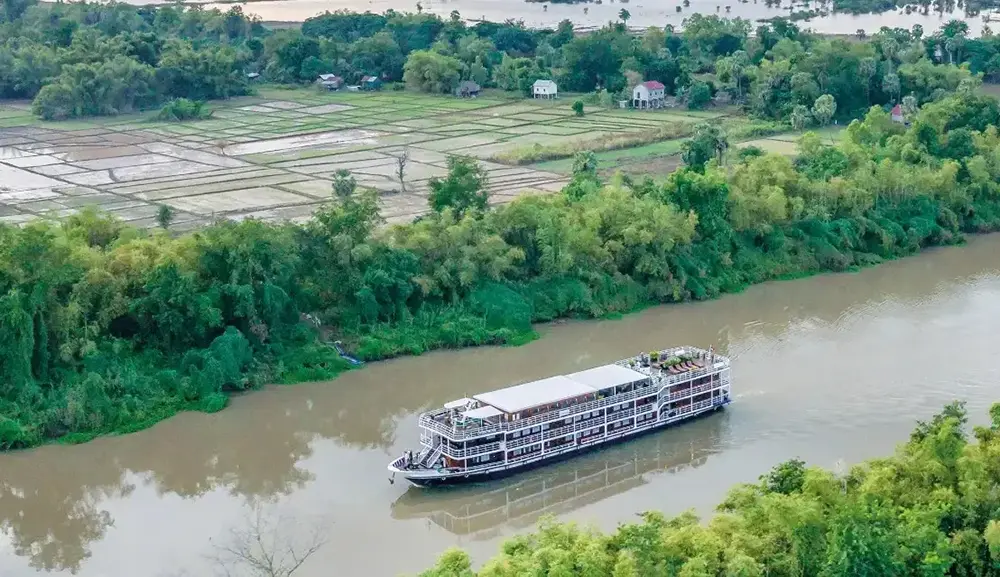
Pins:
x,y
482,511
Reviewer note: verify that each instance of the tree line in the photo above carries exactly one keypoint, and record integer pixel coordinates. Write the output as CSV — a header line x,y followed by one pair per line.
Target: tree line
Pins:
x,y
83,59
109,328
933,508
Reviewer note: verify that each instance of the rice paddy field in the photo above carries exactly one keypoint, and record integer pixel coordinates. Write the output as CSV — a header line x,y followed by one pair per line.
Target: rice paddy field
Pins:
x,y
274,156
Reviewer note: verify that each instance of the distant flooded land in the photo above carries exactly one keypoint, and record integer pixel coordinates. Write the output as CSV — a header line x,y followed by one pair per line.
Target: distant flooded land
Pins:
x,y
832,17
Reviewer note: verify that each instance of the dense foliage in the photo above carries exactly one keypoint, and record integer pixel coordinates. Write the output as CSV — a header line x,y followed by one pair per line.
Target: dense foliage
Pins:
x,y
108,328
83,59
80,59
181,109
931,509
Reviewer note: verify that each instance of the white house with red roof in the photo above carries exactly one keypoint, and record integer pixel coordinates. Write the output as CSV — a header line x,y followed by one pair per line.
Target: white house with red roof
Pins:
x,y
897,114
649,94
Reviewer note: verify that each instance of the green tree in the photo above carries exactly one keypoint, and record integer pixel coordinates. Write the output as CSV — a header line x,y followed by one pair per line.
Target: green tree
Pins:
x,y
578,107
824,109
698,95
799,117
344,184
625,565
165,216
517,74
708,142
785,478
463,189
429,71
585,164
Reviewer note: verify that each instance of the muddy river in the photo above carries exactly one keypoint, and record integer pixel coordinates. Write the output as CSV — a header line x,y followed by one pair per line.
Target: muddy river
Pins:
x,y
832,369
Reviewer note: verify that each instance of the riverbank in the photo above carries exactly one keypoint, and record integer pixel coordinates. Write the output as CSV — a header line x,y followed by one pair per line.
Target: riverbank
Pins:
x,y
833,367
183,322
883,517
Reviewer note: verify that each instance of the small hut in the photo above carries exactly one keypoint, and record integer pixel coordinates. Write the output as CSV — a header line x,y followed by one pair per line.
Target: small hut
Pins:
x,y
467,89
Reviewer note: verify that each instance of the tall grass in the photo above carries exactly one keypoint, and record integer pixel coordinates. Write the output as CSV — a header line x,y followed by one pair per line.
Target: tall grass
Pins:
x,y
544,152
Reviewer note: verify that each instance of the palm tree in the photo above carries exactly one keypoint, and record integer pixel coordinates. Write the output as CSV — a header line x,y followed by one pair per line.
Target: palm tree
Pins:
x,y
867,68
624,15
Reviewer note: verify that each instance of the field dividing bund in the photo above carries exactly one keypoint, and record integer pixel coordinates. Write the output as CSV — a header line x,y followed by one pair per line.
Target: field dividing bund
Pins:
x,y
274,156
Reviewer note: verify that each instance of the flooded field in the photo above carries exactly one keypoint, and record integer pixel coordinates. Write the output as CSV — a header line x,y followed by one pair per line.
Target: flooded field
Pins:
x,y
592,14
274,157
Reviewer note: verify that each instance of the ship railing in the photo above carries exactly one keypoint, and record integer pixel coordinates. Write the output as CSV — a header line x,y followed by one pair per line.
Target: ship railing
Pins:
x,y
668,380
621,416
469,432
472,431
522,441
690,392
569,447
692,407
458,433
471,451
558,432
435,455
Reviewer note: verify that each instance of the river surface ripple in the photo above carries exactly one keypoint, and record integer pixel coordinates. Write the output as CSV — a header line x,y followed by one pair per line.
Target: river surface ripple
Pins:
x,y
833,369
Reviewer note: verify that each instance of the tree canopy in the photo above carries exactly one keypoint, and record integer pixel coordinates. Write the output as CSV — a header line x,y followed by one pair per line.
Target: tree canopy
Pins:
x,y
930,509
76,59
111,328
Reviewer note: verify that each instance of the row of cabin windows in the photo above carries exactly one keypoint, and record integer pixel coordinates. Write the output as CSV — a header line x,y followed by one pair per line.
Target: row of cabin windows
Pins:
x,y
485,458
695,383
527,432
559,442
620,424
547,426
522,451
586,398
481,441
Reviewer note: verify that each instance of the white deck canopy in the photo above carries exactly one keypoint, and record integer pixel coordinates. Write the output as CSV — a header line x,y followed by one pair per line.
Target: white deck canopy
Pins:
x,y
482,413
458,403
554,389
607,376
534,394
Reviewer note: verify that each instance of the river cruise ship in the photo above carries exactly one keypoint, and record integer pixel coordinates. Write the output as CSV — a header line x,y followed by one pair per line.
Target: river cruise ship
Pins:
x,y
502,432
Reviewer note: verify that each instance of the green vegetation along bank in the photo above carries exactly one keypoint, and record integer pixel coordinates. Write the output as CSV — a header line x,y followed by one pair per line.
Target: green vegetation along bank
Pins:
x,y
78,59
931,509
108,328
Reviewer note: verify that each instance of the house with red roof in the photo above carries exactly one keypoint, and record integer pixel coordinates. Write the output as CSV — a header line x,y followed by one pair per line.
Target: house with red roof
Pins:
x,y
897,114
649,94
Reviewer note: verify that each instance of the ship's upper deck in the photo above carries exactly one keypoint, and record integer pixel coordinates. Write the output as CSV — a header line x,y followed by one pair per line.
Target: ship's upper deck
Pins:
x,y
559,389
520,405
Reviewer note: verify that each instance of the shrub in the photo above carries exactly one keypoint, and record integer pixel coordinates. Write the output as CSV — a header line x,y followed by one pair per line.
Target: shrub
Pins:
x,y
181,109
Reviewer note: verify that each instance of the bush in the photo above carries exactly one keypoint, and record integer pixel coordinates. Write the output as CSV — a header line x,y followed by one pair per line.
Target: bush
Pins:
x,y
699,94
895,516
568,148
181,109
578,108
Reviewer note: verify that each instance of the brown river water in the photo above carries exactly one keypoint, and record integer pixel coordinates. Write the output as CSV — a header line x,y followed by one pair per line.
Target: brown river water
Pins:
x,y
833,369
